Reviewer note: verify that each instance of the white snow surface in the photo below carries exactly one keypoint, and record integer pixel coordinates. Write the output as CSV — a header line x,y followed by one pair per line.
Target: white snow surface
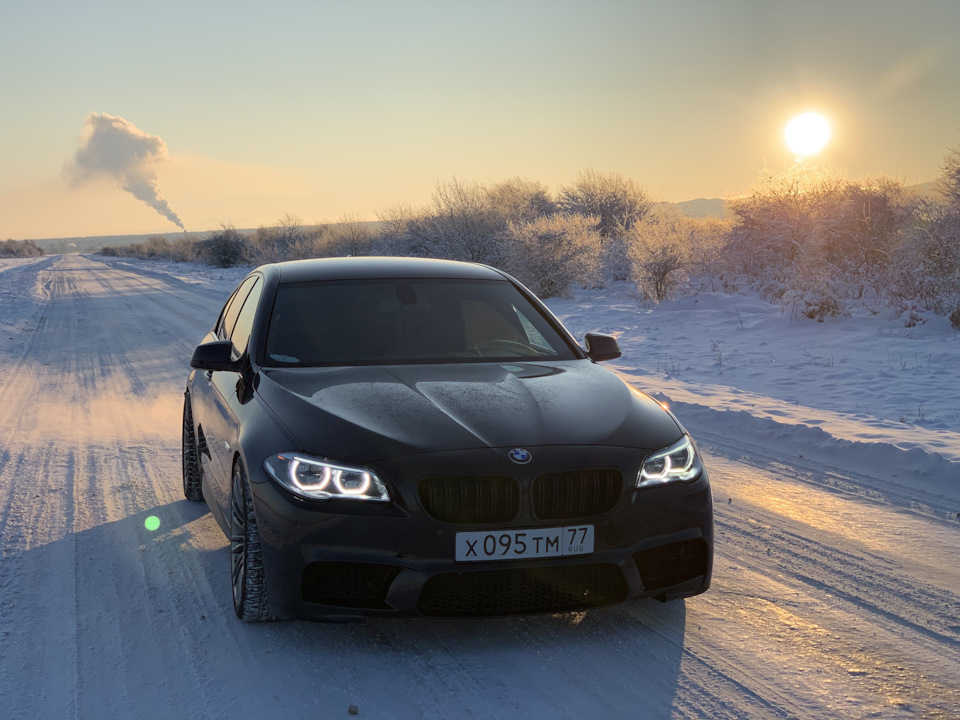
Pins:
x,y
887,395
833,450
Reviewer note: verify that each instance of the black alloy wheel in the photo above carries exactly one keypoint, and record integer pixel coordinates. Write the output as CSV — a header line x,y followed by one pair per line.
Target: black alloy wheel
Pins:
x,y
246,562
192,472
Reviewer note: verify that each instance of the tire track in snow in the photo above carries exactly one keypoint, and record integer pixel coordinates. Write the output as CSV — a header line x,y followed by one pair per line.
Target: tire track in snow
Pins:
x,y
80,596
854,616
35,534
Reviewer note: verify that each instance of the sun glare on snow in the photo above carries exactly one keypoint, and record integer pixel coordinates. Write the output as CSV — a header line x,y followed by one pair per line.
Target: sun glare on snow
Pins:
x,y
806,134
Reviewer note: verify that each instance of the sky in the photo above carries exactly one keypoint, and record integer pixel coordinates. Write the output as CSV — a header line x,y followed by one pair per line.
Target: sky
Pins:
x,y
332,110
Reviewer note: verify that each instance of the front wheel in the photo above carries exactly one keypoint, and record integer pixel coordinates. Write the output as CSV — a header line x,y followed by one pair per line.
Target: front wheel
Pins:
x,y
246,561
192,472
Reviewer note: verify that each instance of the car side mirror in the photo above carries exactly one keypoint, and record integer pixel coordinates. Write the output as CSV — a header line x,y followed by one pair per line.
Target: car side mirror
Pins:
x,y
601,347
216,355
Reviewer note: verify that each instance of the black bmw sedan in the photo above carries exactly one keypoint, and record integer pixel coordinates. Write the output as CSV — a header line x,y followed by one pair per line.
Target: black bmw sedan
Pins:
x,y
394,436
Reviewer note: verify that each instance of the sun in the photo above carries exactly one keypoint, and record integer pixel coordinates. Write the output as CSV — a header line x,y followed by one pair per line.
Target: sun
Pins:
x,y
806,134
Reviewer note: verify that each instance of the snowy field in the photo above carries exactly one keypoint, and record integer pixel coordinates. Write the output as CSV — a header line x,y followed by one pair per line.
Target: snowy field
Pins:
x,y
833,448
861,389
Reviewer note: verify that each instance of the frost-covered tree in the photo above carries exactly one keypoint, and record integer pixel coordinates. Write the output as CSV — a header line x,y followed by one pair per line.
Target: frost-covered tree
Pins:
x,y
786,214
19,248
156,246
617,202
225,247
551,253
183,249
783,231
925,273
949,182
705,249
350,236
659,248
287,239
460,224
816,240
872,217
465,221
521,200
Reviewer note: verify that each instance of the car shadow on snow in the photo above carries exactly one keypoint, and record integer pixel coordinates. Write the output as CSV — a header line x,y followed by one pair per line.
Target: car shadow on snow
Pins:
x,y
622,660
97,610
139,612
619,660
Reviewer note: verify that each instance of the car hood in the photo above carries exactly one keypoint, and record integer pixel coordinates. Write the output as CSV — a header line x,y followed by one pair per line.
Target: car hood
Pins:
x,y
362,414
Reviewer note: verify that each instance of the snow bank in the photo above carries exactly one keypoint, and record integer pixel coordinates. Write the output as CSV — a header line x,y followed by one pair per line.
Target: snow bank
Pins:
x,y
20,300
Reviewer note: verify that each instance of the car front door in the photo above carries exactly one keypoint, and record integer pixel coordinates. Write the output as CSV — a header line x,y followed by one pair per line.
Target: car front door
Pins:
x,y
227,393
205,397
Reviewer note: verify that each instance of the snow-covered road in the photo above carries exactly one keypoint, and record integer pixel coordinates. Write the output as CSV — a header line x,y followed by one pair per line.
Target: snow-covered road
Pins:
x,y
834,596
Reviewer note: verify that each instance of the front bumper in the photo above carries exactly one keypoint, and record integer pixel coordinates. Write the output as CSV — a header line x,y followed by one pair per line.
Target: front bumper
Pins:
x,y
343,560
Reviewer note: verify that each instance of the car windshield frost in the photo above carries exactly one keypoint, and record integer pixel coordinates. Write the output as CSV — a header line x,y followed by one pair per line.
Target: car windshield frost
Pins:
x,y
379,322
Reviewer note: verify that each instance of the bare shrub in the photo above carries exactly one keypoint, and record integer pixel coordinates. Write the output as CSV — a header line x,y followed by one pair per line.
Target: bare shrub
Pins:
x,y
786,214
393,220
705,240
156,247
658,249
224,248
618,203
948,184
349,237
550,254
818,242
519,200
616,259
20,248
926,268
461,224
184,249
287,239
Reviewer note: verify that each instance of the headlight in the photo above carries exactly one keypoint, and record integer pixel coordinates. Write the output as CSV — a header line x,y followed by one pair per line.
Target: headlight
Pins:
x,y
318,479
679,462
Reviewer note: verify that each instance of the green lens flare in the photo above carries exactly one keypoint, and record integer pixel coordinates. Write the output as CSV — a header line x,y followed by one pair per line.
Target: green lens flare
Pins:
x,y
152,523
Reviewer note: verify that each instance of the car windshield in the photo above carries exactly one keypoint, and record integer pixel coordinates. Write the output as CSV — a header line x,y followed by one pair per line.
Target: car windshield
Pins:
x,y
381,322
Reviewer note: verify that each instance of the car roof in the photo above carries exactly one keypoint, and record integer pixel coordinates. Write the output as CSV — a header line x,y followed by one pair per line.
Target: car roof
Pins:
x,y
356,268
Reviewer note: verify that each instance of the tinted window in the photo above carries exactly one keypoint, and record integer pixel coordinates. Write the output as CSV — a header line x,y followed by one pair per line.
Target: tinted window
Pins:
x,y
363,322
233,307
244,324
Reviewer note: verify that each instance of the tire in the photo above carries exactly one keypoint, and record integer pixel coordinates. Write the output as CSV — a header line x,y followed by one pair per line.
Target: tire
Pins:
x,y
246,561
192,472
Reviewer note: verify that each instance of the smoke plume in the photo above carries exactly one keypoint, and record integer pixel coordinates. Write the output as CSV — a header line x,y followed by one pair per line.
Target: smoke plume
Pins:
x,y
115,149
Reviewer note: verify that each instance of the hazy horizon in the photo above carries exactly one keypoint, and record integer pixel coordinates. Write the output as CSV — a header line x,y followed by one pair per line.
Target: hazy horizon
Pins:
x,y
697,207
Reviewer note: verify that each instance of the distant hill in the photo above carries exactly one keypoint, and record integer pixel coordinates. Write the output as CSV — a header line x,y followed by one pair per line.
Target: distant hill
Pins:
x,y
923,190
717,207
703,207
94,243
91,244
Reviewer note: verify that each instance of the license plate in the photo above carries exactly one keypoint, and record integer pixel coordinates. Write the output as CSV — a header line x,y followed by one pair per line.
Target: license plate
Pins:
x,y
521,544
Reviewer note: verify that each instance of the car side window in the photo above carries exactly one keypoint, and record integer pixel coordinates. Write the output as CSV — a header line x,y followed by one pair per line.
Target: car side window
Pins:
x,y
230,313
244,323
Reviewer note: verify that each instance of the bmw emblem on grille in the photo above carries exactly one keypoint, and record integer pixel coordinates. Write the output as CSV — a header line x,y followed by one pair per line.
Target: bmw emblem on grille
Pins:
x,y
520,456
